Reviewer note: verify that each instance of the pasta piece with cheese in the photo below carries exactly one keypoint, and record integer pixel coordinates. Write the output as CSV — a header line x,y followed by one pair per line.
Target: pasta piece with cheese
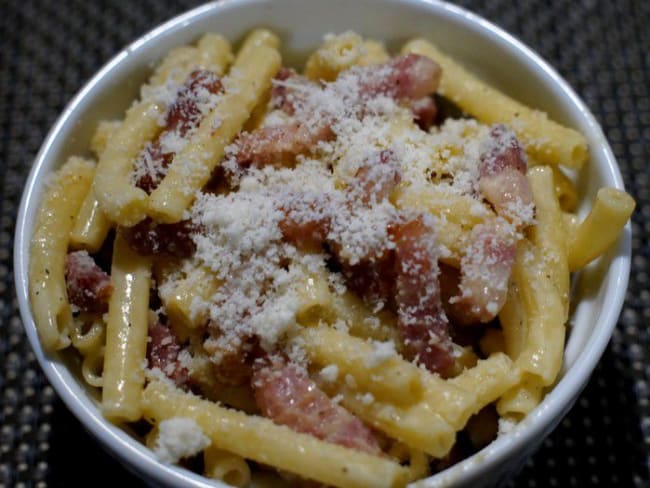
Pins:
x,y
376,368
533,322
549,235
263,441
340,52
248,80
91,225
545,140
119,198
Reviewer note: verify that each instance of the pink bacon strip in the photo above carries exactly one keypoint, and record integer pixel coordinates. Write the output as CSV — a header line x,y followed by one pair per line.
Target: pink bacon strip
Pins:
x,y
408,78
425,112
405,78
280,144
421,320
502,174
149,238
162,353
290,90
88,286
285,394
485,272
376,179
309,215
183,115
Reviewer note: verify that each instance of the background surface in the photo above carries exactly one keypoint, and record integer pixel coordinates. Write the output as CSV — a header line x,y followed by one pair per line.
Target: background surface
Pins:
x,y
49,49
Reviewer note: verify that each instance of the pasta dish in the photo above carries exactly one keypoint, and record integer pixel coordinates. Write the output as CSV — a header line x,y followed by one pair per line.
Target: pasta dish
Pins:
x,y
356,274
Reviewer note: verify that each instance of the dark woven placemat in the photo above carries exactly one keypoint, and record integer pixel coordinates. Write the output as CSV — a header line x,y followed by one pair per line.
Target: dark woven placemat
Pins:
x,y
49,49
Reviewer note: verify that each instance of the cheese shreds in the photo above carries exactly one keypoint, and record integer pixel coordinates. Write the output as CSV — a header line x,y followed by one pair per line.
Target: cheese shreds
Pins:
x,y
241,239
179,438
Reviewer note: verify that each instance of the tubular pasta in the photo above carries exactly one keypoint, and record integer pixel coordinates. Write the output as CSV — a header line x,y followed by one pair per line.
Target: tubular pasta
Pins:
x,y
601,228
263,441
126,333
49,245
545,140
227,467
385,375
249,78
549,235
341,52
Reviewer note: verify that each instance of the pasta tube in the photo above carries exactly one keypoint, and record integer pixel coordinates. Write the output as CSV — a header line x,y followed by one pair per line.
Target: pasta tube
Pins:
x,y
601,228
545,140
263,441
382,373
249,79
227,467
549,235
126,333
49,246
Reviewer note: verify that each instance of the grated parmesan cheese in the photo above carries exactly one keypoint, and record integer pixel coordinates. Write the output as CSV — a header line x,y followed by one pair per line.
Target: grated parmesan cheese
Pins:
x,y
179,438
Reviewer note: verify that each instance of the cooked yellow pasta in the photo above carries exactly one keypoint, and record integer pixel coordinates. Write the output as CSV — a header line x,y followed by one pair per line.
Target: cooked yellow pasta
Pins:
x,y
601,228
54,220
126,333
546,140
260,439
248,80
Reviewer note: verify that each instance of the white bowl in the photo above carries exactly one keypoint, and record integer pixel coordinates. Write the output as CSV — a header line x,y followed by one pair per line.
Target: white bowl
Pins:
x,y
482,47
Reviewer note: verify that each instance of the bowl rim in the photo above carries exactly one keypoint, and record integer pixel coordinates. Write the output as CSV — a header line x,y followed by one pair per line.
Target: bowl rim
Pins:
x,y
138,459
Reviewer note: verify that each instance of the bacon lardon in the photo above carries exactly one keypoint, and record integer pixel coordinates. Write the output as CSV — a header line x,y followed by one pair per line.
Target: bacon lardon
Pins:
x,y
421,320
376,179
502,176
285,394
485,272
406,78
290,90
307,219
425,112
184,114
89,287
162,353
279,144
149,238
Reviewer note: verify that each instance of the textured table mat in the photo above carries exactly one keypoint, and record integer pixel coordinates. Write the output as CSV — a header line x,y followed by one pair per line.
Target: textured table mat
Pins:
x,y
49,49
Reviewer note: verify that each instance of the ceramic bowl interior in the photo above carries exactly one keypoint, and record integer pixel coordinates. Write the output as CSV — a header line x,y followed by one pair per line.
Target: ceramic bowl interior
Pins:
x,y
483,48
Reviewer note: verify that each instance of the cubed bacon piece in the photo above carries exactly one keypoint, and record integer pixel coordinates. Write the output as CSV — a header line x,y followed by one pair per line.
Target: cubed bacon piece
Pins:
x,y
421,321
485,271
307,219
286,395
89,287
502,176
290,90
279,144
232,358
425,112
149,238
375,180
162,352
374,279
184,115
405,78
